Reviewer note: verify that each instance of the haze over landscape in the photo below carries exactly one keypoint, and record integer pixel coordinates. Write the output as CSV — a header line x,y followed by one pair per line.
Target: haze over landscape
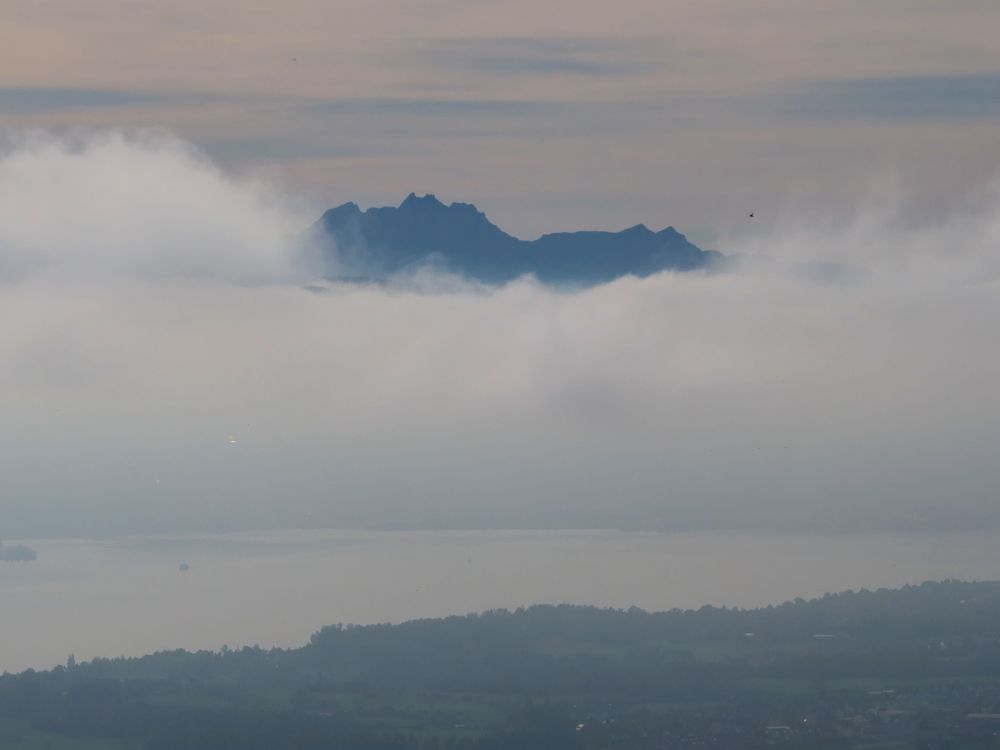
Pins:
x,y
160,310
364,312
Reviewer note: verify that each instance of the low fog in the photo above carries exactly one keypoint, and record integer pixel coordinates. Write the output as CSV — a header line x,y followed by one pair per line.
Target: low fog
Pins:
x,y
167,363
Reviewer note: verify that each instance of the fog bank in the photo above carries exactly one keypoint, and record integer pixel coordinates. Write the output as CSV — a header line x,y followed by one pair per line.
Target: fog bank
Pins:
x,y
163,368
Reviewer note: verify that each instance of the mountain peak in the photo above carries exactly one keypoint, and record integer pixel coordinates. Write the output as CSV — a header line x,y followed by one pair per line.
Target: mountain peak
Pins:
x,y
637,229
422,229
429,200
339,215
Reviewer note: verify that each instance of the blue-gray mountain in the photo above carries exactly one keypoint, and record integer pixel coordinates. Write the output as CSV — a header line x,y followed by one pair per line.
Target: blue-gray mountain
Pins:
x,y
380,242
16,553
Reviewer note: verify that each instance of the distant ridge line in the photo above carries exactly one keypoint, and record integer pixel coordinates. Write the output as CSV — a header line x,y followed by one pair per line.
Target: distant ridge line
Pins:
x,y
380,242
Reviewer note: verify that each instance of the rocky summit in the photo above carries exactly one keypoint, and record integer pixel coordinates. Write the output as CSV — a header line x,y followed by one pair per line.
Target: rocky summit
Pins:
x,y
380,242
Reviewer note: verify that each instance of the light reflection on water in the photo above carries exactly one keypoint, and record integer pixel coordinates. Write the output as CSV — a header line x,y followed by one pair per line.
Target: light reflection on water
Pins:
x,y
128,596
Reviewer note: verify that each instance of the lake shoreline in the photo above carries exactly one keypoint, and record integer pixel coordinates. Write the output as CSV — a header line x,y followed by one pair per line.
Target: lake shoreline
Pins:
x,y
128,596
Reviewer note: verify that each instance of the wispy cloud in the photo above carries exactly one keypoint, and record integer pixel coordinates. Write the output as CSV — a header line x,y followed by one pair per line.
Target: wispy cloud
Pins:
x,y
939,97
433,107
291,147
588,57
34,100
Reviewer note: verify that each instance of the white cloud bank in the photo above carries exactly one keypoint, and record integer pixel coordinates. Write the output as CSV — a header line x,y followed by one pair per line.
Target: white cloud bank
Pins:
x,y
146,205
132,348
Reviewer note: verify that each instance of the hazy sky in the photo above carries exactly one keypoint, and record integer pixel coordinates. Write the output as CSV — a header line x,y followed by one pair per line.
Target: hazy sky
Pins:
x,y
549,115
162,366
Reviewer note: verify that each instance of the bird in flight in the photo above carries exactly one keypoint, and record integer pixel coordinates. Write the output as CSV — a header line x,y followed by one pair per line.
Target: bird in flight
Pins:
x,y
751,214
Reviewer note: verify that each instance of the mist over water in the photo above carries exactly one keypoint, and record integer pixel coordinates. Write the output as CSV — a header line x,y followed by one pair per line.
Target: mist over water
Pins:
x,y
162,369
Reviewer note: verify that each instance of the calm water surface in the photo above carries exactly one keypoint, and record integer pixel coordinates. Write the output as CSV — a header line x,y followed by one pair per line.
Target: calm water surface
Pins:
x,y
128,596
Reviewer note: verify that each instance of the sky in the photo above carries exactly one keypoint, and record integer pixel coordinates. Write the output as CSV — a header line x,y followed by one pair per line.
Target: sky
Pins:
x,y
168,360
549,116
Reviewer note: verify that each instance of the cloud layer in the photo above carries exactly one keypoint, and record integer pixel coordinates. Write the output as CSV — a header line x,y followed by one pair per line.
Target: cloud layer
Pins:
x,y
146,206
148,386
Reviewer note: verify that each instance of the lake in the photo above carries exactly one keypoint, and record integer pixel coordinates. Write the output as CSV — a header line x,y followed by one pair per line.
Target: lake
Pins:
x,y
129,596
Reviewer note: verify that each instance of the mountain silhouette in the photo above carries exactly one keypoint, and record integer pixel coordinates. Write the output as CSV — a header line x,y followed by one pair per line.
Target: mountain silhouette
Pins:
x,y
380,242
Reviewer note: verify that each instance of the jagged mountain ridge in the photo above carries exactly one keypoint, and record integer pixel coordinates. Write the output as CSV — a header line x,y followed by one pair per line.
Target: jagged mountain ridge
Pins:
x,y
379,242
